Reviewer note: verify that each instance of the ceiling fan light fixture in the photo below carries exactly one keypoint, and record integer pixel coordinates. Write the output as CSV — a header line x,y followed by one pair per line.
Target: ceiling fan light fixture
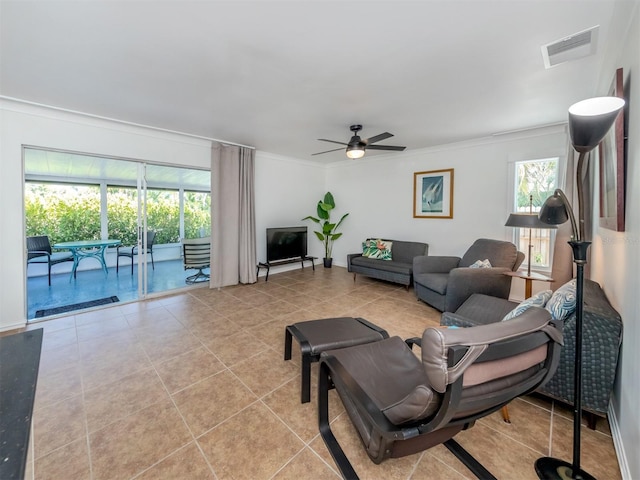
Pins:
x,y
355,151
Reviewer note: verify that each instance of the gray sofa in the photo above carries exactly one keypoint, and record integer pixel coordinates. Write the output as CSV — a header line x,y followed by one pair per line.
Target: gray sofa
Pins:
x,y
398,270
602,337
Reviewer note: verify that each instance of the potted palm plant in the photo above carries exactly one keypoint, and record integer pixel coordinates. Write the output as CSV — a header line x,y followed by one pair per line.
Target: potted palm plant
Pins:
x,y
328,233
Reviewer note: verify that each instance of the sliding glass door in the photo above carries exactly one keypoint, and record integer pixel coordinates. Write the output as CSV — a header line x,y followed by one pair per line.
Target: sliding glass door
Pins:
x,y
120,220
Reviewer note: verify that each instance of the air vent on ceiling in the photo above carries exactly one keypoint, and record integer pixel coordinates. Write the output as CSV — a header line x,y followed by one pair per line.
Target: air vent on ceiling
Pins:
x,y
578,45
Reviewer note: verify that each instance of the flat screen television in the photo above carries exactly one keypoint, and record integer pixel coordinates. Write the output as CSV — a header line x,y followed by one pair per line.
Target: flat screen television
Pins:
x,y
286,243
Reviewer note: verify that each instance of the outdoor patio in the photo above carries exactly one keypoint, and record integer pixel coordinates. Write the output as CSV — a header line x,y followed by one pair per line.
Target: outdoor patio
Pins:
x,y
93,284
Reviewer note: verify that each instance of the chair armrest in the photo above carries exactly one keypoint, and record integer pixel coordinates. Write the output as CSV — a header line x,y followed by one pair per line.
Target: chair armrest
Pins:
x,y
38,252
31,254
434,264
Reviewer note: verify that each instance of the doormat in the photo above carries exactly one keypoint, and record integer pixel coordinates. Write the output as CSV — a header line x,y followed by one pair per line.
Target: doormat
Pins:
x,y
76,306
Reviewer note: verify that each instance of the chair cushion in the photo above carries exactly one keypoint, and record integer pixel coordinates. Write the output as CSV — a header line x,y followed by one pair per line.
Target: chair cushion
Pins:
x,y
538,300
393,377
563,301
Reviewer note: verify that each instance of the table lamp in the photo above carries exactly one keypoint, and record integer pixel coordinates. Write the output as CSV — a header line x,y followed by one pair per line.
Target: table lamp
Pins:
x,y
527,220
589,122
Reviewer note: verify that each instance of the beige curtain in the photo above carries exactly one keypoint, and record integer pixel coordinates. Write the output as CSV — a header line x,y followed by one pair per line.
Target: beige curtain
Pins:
x,y
563,266
233,232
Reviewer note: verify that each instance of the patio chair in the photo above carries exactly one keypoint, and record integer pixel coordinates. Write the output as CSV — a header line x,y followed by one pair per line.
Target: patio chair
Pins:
x,y
39,251
129,251
197,255
401,405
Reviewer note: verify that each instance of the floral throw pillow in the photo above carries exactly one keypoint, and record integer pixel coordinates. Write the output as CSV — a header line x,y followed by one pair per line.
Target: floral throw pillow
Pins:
x,y
538,300
563,301
378,249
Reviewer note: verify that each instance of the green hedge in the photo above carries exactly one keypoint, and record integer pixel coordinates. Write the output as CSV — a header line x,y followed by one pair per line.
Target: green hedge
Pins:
x,y
72,212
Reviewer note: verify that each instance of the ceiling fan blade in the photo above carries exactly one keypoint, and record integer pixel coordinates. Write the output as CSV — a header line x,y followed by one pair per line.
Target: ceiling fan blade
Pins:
x,y
332,141
334,150
377,138
385,147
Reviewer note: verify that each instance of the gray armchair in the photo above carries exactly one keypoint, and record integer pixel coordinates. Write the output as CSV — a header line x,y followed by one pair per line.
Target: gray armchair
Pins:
x,y
446,282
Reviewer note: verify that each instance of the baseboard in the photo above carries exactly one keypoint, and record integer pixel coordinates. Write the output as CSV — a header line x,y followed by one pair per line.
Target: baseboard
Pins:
x,y
13,326
617,443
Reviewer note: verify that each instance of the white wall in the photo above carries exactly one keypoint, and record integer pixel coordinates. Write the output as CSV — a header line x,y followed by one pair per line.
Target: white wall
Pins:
x,y
615,256
287,190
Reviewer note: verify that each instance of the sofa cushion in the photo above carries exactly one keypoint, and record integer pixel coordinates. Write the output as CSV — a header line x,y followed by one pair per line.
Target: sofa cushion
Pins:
x,y
390,266
377,248
538,300
563,301
406,251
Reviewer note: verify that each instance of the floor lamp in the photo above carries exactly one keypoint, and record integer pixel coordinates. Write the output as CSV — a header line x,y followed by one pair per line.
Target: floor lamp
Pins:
x,y
589,122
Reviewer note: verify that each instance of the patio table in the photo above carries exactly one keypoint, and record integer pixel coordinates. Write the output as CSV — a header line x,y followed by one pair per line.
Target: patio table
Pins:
x,y
87,249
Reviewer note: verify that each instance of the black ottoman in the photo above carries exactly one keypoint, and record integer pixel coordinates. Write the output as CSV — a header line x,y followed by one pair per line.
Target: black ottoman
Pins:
x,y
316,336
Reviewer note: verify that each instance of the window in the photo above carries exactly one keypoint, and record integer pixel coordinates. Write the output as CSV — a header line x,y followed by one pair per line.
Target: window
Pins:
x,y
535,181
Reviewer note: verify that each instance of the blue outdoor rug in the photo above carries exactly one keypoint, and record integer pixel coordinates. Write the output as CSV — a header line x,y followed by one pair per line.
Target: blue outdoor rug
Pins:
x,y
76,306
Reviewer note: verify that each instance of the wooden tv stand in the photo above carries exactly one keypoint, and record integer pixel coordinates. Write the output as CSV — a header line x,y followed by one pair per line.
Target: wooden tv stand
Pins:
x,y
277,263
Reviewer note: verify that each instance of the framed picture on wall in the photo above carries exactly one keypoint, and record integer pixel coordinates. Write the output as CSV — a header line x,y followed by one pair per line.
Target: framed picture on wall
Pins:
x,y
433,194
611,153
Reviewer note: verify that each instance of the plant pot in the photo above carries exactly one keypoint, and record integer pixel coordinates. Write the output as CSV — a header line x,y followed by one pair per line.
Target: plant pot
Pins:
x,y
327,262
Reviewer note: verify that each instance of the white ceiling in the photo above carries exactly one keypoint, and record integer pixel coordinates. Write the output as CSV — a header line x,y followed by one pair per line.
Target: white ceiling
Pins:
x,y
278,75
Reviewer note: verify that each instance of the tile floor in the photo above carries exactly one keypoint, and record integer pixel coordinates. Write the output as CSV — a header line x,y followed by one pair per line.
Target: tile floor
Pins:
x,y
194,386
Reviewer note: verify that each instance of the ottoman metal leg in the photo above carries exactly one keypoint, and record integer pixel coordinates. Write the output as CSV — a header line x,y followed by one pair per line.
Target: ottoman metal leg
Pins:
x,y
305,384
287,344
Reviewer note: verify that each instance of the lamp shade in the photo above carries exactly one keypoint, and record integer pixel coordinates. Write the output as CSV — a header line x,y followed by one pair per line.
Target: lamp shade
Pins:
x,y
556,210
355,151
526,220
591,119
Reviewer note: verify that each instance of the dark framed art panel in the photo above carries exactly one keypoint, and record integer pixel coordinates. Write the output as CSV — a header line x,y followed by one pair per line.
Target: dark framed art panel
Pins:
x,y
612,167
433,194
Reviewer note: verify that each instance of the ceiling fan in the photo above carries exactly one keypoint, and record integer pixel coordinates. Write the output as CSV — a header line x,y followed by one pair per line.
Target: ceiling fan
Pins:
x,y
357,146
